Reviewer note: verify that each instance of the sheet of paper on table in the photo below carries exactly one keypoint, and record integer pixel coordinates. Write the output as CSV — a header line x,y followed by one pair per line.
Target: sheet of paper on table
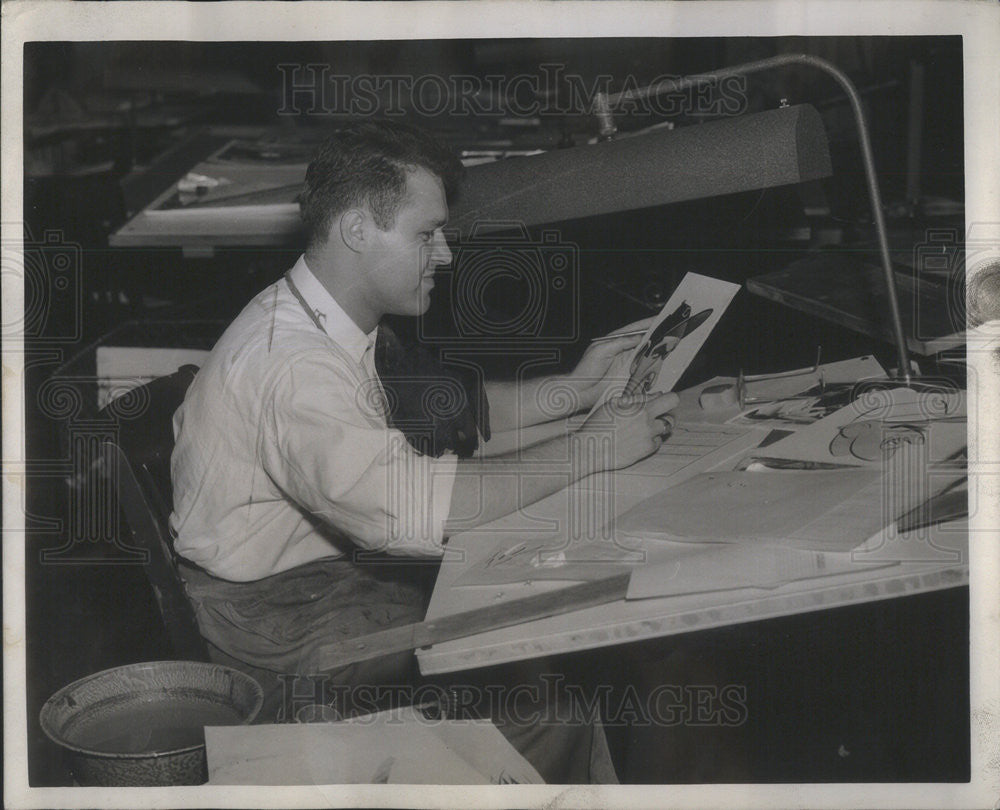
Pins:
x,y
723,530
691,449
694,448
798,508
876,424
396,747
832,510
675,337
664,568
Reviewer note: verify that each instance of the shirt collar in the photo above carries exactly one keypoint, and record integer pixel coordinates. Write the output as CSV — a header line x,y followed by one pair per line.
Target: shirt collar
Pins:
x,y
331,316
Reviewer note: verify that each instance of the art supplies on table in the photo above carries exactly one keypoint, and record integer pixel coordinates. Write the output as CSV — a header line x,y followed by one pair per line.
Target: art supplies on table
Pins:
x,y
792,399
244,173
785,400
857,469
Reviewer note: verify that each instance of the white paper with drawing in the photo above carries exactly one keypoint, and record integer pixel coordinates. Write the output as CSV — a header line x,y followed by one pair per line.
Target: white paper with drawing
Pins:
x,y
676,336
877,423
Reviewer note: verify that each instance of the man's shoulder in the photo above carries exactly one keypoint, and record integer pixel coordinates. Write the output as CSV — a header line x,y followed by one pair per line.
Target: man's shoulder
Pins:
x,y
271,321
271,333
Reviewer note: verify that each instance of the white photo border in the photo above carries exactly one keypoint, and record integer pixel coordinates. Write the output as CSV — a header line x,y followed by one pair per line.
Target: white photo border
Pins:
x,y
979,25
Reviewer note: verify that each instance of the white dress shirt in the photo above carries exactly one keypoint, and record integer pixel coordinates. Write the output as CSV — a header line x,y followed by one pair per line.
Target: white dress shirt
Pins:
x,y
282,448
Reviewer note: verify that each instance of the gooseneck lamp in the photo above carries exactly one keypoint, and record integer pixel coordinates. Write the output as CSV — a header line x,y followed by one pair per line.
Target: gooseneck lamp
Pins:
x,y
659,166
604,104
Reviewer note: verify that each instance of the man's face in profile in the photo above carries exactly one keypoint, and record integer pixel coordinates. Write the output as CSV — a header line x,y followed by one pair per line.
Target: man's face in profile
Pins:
x,y
403,258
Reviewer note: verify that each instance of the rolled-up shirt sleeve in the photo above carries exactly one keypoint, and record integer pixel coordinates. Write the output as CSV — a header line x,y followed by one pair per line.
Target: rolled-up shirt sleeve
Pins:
x,y
326,445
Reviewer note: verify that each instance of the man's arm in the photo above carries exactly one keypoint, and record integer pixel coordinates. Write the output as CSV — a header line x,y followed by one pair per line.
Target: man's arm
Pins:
x,y
517,405
617,435
508,441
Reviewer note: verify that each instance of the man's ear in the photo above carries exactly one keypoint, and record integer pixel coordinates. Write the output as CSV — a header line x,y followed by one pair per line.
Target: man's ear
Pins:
x,y
354,226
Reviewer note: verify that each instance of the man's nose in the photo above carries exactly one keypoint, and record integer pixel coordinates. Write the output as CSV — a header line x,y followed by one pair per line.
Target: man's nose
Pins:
x,y
440,252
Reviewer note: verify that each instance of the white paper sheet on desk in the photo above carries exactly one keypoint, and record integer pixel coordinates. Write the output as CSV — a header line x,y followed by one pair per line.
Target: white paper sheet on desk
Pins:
x,y
880,420
723,566
694,448
816,509
833,510
395,747
691,449
700,294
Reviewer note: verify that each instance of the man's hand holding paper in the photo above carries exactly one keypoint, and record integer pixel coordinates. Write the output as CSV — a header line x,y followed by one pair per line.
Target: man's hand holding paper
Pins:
x,y
635,425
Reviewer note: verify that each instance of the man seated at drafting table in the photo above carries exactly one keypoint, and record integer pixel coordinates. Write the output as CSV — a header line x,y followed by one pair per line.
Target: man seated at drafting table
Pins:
x,y
297,472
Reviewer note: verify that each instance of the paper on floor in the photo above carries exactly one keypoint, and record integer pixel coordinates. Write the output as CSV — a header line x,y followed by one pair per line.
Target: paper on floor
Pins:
x,y
396,747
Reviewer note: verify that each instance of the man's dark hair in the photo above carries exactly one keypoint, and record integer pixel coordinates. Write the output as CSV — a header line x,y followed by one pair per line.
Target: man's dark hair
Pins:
x,y
367,163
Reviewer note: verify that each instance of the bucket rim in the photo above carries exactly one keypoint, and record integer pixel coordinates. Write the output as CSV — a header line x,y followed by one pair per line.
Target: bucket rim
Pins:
x,y
49,707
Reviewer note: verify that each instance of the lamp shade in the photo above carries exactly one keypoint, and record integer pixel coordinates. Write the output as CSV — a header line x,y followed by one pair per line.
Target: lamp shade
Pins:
x,y
725,156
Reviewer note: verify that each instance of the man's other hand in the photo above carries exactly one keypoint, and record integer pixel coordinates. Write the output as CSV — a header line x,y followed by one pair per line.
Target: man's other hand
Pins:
x,y
634,427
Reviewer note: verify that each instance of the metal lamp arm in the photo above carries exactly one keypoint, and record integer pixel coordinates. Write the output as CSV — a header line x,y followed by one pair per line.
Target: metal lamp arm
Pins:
x,y
603,104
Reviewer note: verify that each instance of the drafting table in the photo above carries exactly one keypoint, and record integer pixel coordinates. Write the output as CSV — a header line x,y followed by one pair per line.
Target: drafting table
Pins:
x,y
933,563
251,180
252,215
